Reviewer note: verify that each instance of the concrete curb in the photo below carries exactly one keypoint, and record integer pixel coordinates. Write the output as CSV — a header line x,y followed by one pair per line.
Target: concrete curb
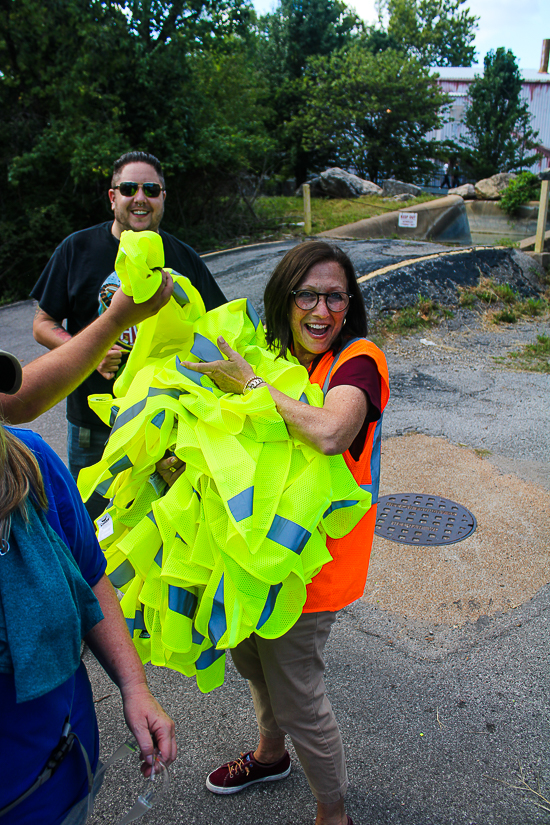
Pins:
x,y
444,219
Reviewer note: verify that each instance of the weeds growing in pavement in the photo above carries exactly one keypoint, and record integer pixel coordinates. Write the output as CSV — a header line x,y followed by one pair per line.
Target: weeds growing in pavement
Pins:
x,y
424,314
488,295
533,790
532,357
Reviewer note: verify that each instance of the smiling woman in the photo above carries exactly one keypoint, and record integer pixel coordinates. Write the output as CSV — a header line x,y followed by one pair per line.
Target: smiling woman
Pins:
x,y
315,314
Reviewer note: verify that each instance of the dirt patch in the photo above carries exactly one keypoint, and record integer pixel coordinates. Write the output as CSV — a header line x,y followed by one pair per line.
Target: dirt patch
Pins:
x,y
502,565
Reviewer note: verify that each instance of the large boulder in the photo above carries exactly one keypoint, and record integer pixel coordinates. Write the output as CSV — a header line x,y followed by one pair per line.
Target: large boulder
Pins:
x,y
339,184
491,189
405,196
398,187
315,188
466,191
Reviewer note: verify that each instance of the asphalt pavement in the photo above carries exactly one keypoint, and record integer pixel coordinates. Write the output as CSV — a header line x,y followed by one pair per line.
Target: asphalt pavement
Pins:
x,y
439,675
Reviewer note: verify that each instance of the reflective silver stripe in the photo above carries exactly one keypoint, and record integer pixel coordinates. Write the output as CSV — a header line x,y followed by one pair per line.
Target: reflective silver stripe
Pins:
x,y
196,637
128,414
180,295
337,505
181,601
159,419
269,604
103,487
154,391
289,534
374,486
208,657
252,314
339,353
204,349
119,466
122,574
193,376
241,504
137,623
217,624
136,408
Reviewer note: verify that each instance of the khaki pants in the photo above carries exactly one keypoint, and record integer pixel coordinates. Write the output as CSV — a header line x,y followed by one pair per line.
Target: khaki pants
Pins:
x,y
286,678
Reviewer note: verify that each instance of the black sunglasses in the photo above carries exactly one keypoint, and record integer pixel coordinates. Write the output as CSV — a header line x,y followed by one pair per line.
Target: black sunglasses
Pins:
x,y
129,188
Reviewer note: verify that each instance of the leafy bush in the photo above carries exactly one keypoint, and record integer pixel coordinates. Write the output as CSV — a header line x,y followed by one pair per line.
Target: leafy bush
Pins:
x,y
521,189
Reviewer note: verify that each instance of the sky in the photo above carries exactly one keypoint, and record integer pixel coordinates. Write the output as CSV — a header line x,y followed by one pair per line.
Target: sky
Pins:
x,y
519,26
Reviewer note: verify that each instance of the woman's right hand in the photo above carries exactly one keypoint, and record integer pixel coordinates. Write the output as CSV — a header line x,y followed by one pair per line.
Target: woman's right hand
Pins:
x,y
230,374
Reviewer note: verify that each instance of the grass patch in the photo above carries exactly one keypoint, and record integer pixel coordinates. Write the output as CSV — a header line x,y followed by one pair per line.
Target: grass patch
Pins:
x,y
509,242
424,314
283,215
505,316
489,295
533,357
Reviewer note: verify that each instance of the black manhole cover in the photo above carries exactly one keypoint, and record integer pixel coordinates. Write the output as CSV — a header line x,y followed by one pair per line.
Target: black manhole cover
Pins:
x,y
412,518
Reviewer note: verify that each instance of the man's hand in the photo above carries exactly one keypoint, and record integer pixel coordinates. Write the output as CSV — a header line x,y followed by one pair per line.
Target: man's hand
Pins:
x,y
170,468
110,364
128,314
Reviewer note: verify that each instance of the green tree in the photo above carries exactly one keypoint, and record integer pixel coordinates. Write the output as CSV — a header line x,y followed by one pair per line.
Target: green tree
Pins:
x,y
82,81
372,112
500,136
294,32
437,32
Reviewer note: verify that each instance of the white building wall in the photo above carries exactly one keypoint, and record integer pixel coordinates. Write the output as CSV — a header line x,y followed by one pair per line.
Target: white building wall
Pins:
x,y
535,92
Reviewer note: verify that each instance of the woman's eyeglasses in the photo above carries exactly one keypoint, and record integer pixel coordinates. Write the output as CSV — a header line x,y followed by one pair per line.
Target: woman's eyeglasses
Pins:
x,y
307,299
129,188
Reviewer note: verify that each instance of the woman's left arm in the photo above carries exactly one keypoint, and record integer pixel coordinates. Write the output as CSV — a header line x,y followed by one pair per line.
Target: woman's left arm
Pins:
x,y
111,644
330,429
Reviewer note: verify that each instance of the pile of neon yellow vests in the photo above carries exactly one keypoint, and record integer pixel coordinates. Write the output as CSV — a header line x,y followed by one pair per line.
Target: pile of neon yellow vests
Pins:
x,y
229,548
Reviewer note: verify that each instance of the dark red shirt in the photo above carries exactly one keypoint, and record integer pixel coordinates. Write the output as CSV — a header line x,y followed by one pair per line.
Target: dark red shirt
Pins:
x,y
361,372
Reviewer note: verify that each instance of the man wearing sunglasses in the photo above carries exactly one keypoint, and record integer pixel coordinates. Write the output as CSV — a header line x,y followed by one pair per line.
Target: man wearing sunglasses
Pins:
x,y
69,287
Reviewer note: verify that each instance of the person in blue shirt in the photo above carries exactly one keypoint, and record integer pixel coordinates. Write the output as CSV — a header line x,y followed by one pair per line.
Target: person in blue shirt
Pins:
x,y
53,592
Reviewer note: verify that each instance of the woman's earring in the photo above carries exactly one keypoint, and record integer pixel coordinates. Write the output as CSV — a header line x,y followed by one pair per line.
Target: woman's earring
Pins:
x,y
345,319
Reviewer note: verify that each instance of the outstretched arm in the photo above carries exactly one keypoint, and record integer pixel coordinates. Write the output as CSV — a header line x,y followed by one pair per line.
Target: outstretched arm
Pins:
x,y
111,644
331,428
54,375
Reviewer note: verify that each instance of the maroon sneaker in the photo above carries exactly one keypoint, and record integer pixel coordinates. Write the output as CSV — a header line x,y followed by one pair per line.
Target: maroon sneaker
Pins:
x,y
245,771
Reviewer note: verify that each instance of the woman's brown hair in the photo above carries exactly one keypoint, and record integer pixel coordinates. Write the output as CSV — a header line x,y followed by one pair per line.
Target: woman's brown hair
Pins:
x,y
285,278
19,476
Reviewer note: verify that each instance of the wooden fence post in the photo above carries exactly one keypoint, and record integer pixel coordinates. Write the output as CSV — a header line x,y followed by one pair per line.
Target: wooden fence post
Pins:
x,y
307,208
543,213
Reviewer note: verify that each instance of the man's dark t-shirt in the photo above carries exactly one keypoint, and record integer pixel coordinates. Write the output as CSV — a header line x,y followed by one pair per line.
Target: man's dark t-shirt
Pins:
x,y
68,288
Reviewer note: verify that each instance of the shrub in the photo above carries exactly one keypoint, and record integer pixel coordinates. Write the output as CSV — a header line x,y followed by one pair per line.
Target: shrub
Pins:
x,y
521,189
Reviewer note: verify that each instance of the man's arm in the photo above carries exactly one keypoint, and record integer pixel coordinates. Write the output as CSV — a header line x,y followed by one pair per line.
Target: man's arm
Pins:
x,y
47,331
52,334
54,375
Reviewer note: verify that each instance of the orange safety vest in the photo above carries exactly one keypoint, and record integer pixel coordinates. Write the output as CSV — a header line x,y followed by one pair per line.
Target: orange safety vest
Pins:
x,y
342,581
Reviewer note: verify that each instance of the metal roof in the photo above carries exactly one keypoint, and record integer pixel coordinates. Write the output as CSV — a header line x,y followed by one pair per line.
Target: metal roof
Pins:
x,y
467,73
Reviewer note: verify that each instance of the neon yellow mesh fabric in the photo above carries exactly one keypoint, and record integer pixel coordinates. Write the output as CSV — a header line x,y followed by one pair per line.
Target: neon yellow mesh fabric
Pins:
x,y
229,549
138,263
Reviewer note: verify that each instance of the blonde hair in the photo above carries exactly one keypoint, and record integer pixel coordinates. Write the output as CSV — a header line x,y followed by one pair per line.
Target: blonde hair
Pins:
x,y
20,477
